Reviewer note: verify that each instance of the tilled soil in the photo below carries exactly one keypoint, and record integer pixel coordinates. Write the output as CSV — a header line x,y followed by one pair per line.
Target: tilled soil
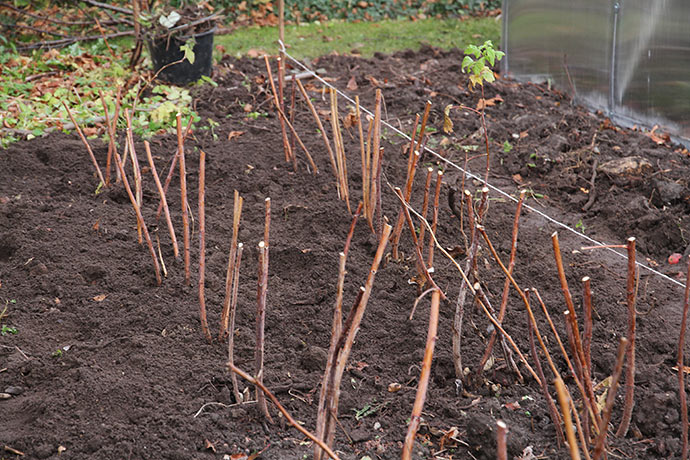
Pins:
x,y
105,364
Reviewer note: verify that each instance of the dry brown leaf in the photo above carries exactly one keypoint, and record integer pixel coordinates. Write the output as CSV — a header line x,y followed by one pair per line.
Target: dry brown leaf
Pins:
x,y
373,81
97,225
248,108
254,53
447,122
352,84
209,445
394,387
234,134
100,297
350,120
512,405
489,102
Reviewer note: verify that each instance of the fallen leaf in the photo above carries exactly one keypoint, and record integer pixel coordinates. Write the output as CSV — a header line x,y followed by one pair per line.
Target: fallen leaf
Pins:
x,y
350,120
97,225
352,84
209,445
512,405
373,80
61,449
489,102
524,134
447,122
394,387
248,108
234,134
517,178
100,297
254,53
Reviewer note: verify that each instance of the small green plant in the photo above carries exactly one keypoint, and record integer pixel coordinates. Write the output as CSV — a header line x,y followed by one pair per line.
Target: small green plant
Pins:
x,y
507,147
8,330
477,67
580,226
57,353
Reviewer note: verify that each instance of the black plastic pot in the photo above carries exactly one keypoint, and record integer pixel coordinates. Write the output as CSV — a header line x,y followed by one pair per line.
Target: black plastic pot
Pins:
x,y
165,50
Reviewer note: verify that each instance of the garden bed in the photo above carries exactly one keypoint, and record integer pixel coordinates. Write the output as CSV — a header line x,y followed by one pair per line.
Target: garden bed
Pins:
x,y
105,364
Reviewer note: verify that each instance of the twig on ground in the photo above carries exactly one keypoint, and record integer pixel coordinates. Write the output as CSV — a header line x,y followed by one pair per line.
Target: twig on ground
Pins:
x,y
282,410
630,356
202,245
229,274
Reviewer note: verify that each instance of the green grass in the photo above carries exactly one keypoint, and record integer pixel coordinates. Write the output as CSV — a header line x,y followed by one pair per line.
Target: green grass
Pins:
x,y
365,38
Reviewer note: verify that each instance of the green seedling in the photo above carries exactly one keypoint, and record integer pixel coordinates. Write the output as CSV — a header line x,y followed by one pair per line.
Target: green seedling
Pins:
x,y
580,226
507,147
57,353
368,409
8,330
477,66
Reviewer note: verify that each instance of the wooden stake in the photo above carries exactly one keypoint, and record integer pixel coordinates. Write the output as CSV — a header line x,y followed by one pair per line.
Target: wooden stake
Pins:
x,y
173,163
140,219
589,404
229,274
600,442
425,209
344,346
157,180
339,152
411,169
506,284
276,101
437,195
682,397
587,330
202,246
185,205
501,440
425,118
376,154
111,138
553,412
260,321
565,409
138,192
231,326
315,169
630,357
423,385
86,143
282,410
578,355
336,332
324,135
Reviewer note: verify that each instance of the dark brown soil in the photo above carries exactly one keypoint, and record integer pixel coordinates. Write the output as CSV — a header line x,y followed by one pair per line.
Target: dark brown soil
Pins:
x,y
106,365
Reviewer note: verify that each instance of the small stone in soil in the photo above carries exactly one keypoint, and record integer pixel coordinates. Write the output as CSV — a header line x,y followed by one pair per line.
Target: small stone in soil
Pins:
x,y
14,391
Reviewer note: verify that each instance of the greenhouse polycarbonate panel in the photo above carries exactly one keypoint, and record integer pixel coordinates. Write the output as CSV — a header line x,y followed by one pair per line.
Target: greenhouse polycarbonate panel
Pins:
x,y
554,39
630,58
652,81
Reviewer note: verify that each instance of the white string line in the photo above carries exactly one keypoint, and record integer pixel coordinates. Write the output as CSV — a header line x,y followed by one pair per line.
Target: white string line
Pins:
x,y
475,177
